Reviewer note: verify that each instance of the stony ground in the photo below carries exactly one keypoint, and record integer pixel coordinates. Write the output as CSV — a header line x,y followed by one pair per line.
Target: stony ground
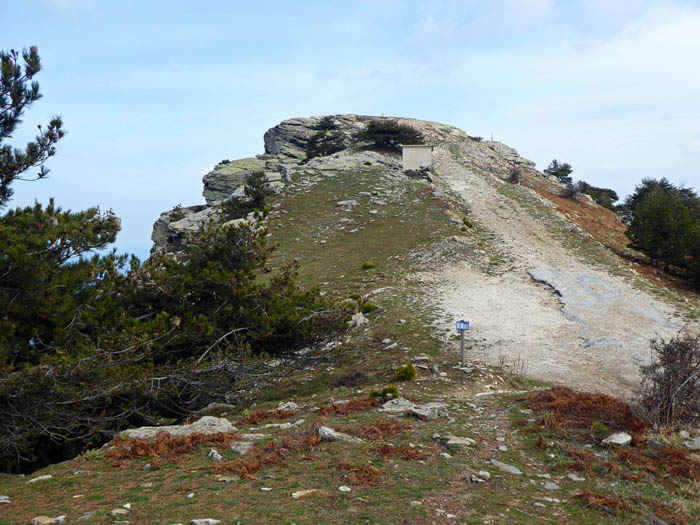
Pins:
x,y
478,454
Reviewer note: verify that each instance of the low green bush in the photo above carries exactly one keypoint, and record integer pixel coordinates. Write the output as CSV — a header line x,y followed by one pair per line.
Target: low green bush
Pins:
x,y
405,373
386,393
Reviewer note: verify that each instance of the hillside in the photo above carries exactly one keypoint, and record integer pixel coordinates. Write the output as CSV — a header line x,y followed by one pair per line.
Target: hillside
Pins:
x,y
554,297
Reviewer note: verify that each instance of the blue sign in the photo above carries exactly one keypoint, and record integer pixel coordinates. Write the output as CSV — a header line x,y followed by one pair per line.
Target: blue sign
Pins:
x,y
462,326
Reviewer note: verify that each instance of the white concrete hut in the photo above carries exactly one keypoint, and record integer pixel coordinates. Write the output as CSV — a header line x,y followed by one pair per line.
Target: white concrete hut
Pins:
x,y
416,156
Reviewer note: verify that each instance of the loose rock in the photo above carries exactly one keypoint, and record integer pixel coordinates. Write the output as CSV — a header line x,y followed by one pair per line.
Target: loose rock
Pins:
x,y
693,444
40,478
620,438
303,493
506,468
328,434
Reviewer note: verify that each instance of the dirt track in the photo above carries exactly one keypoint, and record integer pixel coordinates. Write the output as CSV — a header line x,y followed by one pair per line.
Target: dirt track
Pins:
x,y
580,326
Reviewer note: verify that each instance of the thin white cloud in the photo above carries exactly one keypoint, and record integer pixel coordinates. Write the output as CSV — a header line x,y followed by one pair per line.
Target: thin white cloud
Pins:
x,y
66,7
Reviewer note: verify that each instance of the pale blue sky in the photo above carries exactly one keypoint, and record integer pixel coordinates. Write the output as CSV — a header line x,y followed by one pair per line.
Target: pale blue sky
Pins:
x,y
154,93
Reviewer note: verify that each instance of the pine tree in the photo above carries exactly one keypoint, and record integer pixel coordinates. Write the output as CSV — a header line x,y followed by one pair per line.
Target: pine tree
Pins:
x,y
562,171
17,92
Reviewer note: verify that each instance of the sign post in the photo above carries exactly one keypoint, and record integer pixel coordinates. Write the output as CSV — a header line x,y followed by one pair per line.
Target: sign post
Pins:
x,y
462,326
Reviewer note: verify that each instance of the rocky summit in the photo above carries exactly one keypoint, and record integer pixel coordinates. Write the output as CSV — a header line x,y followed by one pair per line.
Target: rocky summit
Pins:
x,y
285,162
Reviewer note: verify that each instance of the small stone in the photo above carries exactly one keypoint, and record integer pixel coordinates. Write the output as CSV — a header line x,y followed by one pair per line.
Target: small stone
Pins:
x,y
506,468
303,493
227,479
190,495
147,485
147,466
416,503
205,521
693,444
574,477
347,203
5,500
243,447
214,455
118,512
358,319
85,517
503,448
550,485
121,523
544,476
289,405
386,341
42,520
483,474
620,438
266,489
364,194
445,455
40,478
127,506
684,434
344,488
538,504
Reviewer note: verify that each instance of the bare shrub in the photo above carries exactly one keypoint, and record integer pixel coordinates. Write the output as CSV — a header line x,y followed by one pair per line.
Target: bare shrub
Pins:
x,y
670,389
571,191
515,176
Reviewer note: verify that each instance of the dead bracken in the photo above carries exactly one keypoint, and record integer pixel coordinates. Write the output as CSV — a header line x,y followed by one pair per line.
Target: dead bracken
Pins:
x,y
165,445
563,409
263,415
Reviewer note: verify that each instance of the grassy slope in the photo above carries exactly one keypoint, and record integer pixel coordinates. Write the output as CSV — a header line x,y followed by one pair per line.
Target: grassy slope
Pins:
x,y
411,232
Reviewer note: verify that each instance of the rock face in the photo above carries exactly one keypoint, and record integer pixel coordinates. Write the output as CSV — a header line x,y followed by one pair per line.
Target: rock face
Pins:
x,y
285,163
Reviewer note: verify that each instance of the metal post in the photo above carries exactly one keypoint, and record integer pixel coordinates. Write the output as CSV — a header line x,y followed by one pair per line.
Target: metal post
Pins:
x,y
462,332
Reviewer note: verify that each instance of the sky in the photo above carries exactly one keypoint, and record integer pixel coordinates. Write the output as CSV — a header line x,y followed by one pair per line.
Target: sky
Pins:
x,y
154,94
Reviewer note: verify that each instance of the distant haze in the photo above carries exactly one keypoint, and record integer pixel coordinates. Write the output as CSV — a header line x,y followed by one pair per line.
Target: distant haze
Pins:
x,y
154,94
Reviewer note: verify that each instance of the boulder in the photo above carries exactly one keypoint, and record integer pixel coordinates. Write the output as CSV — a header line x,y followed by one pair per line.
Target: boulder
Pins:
x,y
505,467
205,425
